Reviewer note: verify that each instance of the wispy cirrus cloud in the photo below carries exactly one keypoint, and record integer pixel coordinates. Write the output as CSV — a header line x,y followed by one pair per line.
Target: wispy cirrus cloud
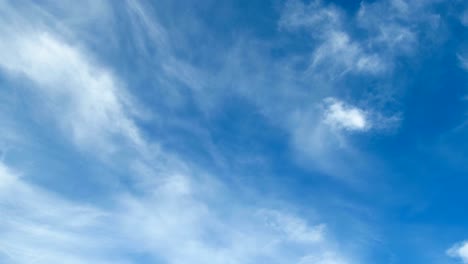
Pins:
x,y
161,204
40,227
82,97
166,205
181,218
336,53
173,221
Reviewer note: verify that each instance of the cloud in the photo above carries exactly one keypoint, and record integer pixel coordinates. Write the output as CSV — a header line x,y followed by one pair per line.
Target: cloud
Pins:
x,y
168,203
40,227
84,98
324,137
294,228
395,26
392,33
178,211
459,251
339,115
171,206
181,210
365,43
175,220
339,55
296,14
336,53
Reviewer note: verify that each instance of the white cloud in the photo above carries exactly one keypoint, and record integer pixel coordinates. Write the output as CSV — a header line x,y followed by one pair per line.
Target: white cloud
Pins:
x,y
459,251
323,137
178,213
340,115
84,98
174,220
40,227
145,25
339,55
394,26
171,209
168,213
332,54
315,15
336,53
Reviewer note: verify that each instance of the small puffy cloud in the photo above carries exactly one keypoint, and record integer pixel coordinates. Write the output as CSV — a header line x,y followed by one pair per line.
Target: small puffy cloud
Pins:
x,y
459,251
340,115
322,137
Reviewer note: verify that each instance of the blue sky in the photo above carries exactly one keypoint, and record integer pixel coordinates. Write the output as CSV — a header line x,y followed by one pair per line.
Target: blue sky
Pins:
x,y
233,132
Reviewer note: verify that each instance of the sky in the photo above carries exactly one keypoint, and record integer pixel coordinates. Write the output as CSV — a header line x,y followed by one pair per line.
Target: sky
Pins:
x,y
234,132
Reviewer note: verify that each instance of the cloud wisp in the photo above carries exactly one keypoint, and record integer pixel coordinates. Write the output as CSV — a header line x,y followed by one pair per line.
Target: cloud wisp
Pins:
x,y
173,223
83,95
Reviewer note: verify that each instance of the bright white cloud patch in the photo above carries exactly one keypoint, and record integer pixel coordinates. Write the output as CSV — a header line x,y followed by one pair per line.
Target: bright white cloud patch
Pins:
x,y
84,97
340,115
459,251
